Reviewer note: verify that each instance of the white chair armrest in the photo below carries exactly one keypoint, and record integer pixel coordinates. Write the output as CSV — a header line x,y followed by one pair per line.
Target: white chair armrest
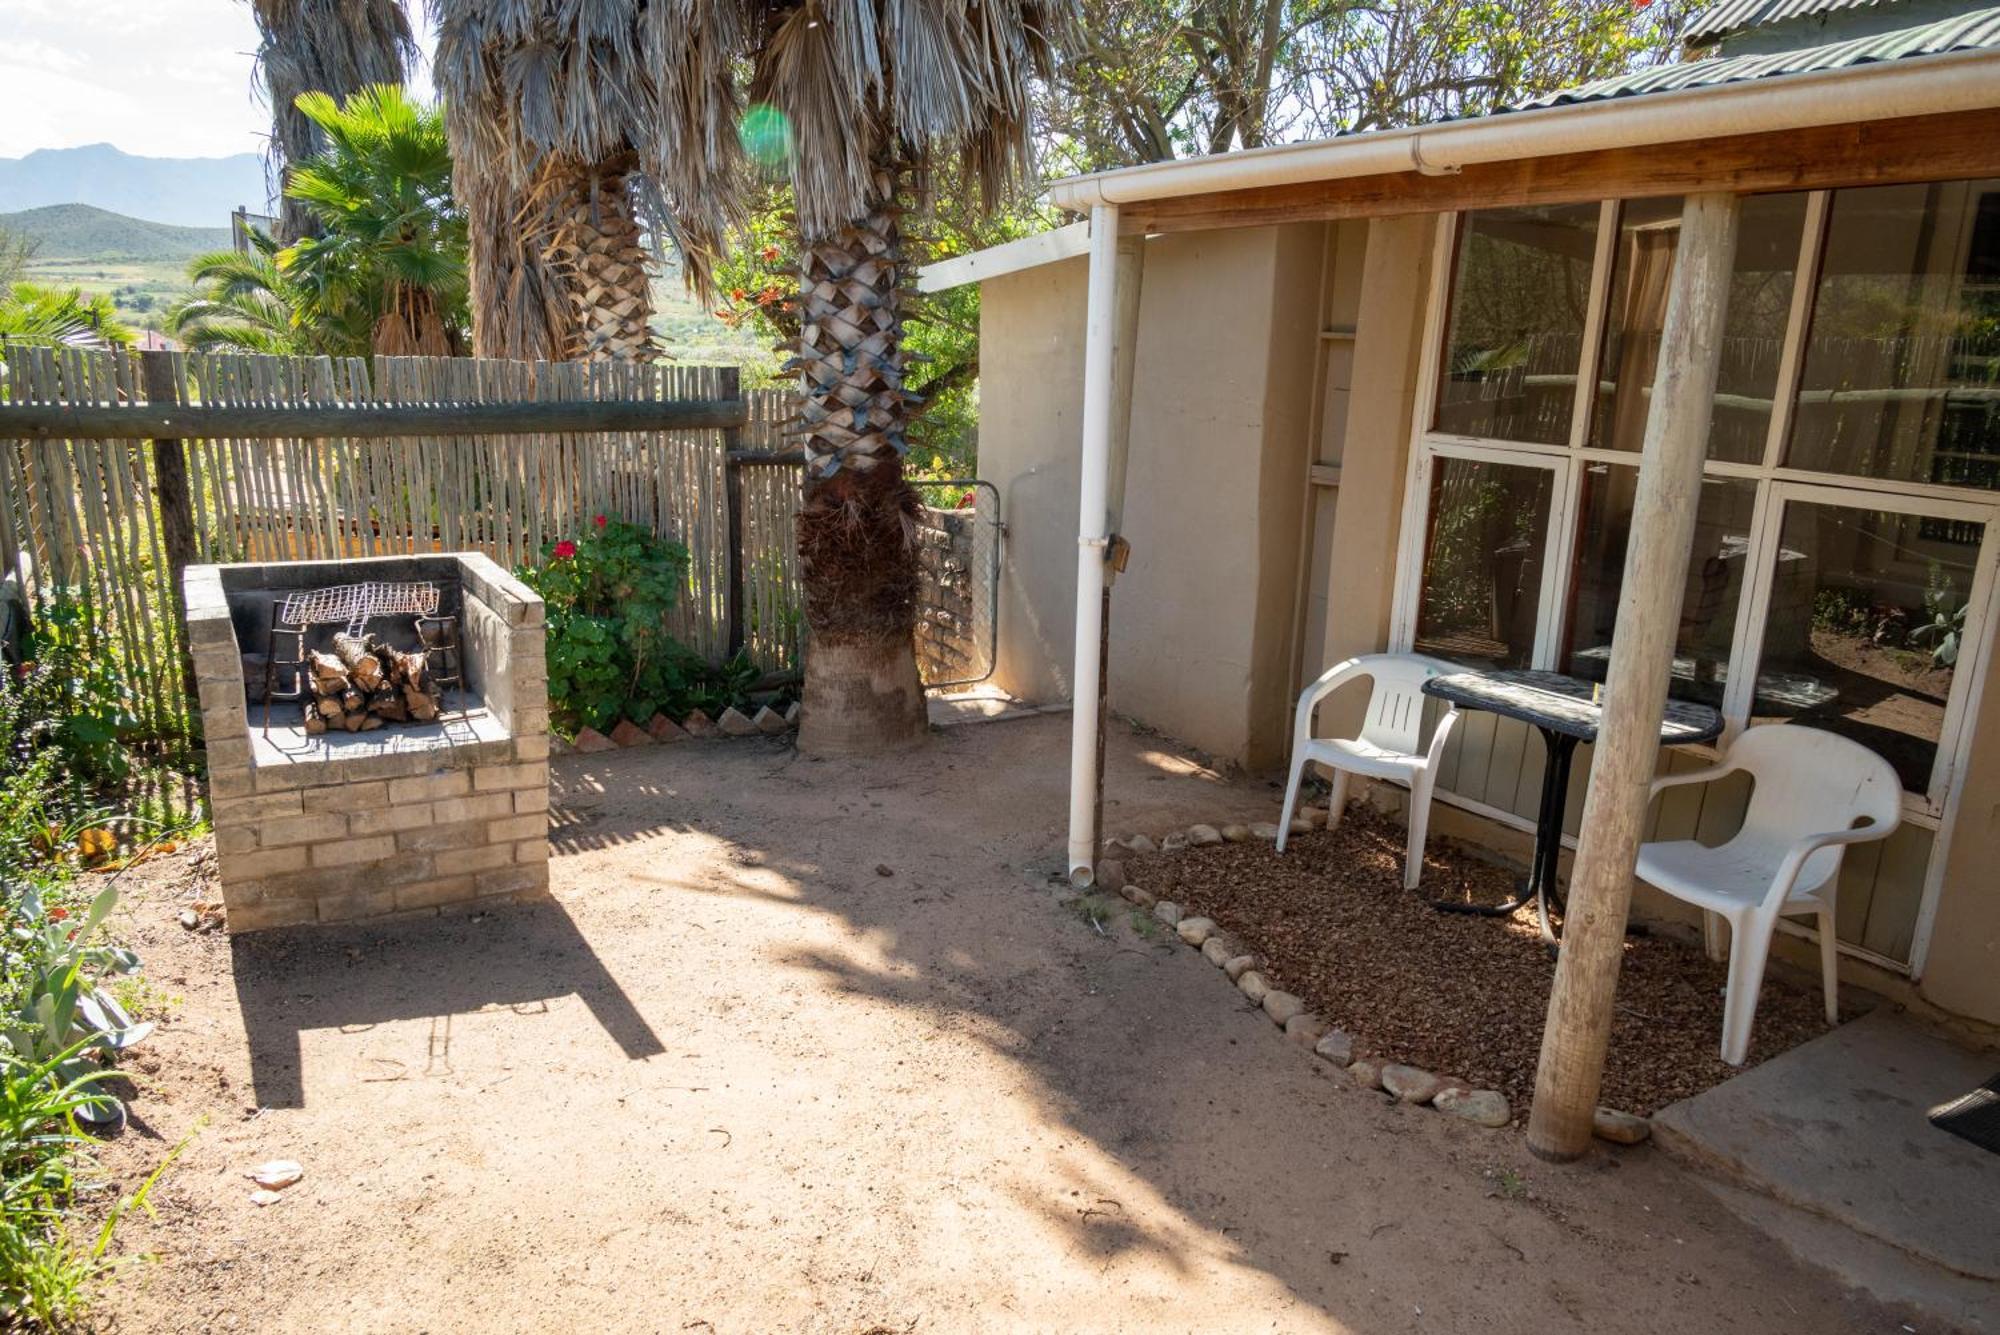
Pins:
x,y
1439,737
1796,855
1709,775
1329,681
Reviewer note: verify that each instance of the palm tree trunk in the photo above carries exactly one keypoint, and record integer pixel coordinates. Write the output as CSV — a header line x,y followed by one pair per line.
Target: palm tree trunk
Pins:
x,y
858,524
600,248
520,308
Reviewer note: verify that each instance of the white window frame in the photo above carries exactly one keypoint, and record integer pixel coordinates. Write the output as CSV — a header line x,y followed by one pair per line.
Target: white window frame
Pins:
x,y
1776,485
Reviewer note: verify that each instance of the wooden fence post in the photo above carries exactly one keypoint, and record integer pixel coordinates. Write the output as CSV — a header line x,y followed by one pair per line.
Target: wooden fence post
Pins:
x,y
1578,1031
160,377
730,387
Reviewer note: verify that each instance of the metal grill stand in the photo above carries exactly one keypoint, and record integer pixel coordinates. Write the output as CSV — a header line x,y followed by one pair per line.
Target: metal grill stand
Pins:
x,y
353,606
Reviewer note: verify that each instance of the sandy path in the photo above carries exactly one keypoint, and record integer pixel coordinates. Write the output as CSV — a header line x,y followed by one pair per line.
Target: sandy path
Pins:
x,y
735,1080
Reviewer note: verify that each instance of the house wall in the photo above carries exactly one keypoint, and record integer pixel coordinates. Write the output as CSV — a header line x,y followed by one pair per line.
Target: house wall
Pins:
x,y
1202,619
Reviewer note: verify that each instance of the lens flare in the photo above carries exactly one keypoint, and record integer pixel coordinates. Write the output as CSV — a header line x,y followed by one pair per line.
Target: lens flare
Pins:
x,y
766,135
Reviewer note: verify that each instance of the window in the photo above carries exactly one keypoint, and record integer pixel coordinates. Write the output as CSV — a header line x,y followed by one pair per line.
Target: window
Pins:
x,y
1520,295
1862,340
1760,301
1483,555
1865,625
1902,368
1709,603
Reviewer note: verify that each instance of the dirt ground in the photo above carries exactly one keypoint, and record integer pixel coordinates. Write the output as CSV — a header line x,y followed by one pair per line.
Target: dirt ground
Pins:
x,y
816,1047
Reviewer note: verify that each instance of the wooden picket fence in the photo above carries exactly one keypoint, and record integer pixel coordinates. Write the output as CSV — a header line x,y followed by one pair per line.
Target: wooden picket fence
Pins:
x,y
84,514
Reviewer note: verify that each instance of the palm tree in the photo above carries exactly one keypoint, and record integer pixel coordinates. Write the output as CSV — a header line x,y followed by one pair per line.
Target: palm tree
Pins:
x,y
578,127
335,47
872,94
39,314
240,302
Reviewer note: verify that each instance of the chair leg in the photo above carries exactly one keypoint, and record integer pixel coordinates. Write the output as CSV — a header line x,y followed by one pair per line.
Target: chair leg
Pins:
x,y
1829,962
1420,820
1749,944
1711,934
1292,795
1336,802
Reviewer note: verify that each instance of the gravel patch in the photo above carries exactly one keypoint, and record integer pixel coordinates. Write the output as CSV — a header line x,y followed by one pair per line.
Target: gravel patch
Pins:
x,y
1462,996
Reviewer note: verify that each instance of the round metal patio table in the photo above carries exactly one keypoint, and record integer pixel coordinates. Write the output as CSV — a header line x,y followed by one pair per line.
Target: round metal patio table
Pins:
x,y
1562,710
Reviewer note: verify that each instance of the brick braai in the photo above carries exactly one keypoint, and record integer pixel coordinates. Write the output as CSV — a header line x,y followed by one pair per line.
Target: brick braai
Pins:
x,y
399,820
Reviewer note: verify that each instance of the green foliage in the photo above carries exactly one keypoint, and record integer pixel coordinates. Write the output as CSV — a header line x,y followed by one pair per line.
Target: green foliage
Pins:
x,y
41,1147
608,592
240,302
58,315
58,1012
1946,623
71,693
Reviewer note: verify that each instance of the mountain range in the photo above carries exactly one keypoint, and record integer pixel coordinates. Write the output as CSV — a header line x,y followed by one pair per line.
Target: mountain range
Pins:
x,y
84,232
187,192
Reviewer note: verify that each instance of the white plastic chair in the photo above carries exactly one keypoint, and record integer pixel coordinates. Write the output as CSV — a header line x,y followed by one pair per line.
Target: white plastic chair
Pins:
x,y
1811,789
1386,748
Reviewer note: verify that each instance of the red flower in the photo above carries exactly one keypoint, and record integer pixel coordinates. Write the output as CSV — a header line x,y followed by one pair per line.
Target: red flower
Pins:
x,y
58,913
600,521
769,252
565,549
967,501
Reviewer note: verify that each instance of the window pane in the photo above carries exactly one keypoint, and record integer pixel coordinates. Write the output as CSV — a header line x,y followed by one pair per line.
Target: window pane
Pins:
x,y
1760,303
1867,615
1902,370
1489,528
1515,336
1709,602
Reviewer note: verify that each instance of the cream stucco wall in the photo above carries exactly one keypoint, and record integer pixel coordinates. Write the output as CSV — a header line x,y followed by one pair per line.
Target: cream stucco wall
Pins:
x,y
1201,624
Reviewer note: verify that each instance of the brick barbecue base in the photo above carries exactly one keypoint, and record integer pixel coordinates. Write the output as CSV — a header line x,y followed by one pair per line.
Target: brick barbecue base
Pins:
x,y
396,821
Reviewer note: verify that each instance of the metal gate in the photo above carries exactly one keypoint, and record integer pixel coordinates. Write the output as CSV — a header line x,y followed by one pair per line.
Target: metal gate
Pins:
x,y
958,618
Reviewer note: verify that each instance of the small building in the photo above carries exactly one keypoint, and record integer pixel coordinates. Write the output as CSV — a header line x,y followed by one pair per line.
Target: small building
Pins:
x,y
1387,391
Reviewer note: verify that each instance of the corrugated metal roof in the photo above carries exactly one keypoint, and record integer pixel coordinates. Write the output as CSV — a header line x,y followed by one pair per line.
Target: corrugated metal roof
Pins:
x,y
1967,32
1735,15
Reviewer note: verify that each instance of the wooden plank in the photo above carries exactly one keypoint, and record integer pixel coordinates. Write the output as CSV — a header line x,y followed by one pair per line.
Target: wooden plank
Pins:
x,y
1916,148
34,421
1899,893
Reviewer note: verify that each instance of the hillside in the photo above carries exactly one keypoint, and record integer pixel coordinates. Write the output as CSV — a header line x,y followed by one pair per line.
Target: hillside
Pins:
x,y
84,232
188,192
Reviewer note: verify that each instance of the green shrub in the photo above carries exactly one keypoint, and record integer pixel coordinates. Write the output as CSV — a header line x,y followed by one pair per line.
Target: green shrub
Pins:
x,y
608,593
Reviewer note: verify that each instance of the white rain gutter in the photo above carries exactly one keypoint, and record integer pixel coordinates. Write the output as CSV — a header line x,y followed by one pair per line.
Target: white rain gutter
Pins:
x,y
1092,537
1911,86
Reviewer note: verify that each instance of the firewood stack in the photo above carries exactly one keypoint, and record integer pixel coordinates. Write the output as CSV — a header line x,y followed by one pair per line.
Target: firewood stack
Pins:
x,y
364,683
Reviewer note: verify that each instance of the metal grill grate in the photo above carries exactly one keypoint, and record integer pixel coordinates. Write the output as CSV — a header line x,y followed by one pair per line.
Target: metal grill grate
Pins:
x,y
354,605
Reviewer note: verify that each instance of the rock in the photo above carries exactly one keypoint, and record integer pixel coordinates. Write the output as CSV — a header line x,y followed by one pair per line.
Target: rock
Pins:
x,y
1195,931
884,869
590,739
1303,1029
1365,1075
1201,836
190,919
735,723
261,1197
1236,834
770,722
792,715
1174,843
1110,876
1266,831
1282,1007
277,1174
664,729
1167,912
1238,965
1139,895
1410,1084
1139,843
698,724
628,733
1481,1107
1252,985
1218,951
1336,1046
1300,825
559,745
1620,1128
1314,817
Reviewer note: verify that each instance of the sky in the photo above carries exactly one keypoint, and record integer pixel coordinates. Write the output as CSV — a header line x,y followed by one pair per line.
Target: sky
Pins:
x,y
161,78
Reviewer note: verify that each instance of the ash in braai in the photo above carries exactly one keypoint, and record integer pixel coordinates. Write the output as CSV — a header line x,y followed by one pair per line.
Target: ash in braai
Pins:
x,y
388,656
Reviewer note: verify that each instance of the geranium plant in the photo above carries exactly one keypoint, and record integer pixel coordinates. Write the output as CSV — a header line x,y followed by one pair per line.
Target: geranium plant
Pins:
x,y
609,589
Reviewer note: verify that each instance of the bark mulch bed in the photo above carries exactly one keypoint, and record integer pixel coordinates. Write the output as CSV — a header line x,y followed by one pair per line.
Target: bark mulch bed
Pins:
x,y
1461,996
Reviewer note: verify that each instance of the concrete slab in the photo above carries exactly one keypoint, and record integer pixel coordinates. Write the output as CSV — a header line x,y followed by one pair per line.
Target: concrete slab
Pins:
x,y
976,704
1836,1127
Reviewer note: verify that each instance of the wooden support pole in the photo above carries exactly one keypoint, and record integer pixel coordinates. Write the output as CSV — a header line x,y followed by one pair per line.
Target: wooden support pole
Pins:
x,y
160,377
1578,1031
732,494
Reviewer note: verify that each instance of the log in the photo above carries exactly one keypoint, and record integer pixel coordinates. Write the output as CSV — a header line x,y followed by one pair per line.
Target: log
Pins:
x,y
358,655
423,709
328,707
315,721
352,722
327,671
353,701
369,723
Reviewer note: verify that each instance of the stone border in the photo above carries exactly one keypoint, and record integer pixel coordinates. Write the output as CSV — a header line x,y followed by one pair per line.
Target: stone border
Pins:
x,y
698,726
1405,1083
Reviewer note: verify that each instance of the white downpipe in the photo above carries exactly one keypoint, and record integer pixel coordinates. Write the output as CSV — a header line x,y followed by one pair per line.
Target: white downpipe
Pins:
x,y
1914,86
1093,491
